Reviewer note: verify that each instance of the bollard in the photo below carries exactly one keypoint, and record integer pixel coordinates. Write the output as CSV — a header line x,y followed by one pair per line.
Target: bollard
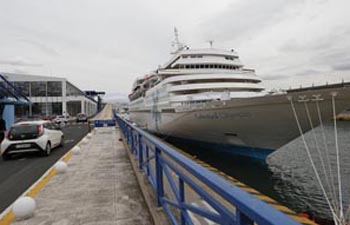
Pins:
x,y
24,208
76,150
61,167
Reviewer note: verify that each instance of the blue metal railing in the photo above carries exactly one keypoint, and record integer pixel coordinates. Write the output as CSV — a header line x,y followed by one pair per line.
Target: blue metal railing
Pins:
x,y
171,174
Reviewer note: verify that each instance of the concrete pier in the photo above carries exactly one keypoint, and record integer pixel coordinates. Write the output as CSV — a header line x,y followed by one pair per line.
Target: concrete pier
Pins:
x,y
99,187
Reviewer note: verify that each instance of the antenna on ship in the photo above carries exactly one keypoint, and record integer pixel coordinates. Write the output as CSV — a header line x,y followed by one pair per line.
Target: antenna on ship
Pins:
x,y
211,42
177,43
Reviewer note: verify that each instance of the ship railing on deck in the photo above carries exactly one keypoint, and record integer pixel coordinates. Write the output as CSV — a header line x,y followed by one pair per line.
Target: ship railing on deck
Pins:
x,y
179,181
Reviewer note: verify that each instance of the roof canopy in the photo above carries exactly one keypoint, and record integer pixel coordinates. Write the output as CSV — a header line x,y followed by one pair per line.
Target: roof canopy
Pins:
x,y
9,94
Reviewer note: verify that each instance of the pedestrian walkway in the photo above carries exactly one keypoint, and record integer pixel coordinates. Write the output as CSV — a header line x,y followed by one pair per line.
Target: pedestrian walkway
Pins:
x,y
99,187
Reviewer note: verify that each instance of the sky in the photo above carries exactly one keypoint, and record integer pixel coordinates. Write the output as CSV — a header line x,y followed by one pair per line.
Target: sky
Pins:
x,y
105,44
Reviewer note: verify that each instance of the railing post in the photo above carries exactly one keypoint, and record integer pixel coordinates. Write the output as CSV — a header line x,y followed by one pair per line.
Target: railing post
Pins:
x,y
128,135
132,141
182,200
243,219
140,155
147,160
159,177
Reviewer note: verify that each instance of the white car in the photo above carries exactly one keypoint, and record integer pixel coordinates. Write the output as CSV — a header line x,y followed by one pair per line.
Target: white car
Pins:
x,y
31,136
62,119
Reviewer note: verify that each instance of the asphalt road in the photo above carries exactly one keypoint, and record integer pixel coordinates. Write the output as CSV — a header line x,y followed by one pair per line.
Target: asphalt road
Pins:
x,y
20,172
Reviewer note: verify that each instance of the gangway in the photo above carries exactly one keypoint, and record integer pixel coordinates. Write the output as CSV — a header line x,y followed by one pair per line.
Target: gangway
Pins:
x,y
104,118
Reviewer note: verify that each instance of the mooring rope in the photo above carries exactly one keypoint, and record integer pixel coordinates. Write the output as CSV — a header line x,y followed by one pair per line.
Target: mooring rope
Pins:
x,y
333,188
328,185
341,213
335,217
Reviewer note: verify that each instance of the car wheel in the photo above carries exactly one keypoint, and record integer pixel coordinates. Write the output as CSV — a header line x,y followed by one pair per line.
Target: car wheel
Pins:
x,y
5,157
47,151
62,142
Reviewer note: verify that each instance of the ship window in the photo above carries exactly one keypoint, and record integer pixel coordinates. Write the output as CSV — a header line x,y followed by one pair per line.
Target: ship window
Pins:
x,y
197,66
215,66
202,66
184,56
193,56
206,66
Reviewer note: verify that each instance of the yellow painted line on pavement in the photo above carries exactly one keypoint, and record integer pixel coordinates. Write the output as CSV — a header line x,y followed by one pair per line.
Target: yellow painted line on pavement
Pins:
x,y
8,219
35,191
67,157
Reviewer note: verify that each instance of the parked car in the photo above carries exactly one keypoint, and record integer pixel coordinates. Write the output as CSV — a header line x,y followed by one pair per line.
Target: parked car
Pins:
x,y
31,136
82,117
50,117
61,119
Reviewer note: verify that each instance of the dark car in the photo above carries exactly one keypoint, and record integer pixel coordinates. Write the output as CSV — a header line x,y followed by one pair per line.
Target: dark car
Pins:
x,y
82,117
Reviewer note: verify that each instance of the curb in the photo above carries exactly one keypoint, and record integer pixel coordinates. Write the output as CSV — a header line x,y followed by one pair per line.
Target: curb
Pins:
x,y
7,216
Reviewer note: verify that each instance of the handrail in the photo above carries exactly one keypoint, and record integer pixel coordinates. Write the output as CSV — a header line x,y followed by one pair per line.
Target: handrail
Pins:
x,y
229,203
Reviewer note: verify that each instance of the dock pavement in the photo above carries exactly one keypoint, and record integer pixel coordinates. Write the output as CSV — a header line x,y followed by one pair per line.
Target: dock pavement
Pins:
x,y
99,187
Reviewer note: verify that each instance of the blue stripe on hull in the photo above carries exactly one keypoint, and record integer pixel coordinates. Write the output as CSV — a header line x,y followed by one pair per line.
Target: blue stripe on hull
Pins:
x,y
251,152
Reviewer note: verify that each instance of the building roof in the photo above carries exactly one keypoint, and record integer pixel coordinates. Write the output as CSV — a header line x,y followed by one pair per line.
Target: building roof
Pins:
x,y
30,77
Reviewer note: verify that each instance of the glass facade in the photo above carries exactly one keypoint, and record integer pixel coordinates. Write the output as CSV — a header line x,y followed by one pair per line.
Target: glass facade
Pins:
x,y
54,88
21,111
38,88
23,87
73,107
46,108
72,90
46,97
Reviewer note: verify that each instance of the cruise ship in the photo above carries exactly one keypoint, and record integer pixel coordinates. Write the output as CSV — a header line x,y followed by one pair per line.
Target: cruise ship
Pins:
x,y
208,96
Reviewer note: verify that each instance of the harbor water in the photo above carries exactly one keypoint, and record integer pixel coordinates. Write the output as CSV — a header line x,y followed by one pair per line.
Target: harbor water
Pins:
x,y
287,175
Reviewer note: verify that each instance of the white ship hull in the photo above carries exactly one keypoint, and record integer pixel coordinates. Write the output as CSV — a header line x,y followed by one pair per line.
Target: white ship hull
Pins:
x,y
261,123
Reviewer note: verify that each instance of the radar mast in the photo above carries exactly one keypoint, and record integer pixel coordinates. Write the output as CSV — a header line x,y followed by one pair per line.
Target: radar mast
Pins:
x,y
177,43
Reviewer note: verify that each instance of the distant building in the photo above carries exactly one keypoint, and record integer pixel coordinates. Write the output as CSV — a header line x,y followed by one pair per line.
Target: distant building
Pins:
x,y
50,96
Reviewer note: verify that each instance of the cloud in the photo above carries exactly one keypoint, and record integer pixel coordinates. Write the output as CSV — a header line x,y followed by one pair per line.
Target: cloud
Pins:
x,y
105,45
41,46
341,67
116,97
243,20
19,61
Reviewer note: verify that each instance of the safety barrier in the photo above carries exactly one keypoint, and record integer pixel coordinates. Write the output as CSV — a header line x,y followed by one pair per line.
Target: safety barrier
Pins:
x,y
175,178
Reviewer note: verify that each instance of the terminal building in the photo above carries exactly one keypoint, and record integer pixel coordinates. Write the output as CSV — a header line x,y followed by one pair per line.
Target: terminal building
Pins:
x,y
50,96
